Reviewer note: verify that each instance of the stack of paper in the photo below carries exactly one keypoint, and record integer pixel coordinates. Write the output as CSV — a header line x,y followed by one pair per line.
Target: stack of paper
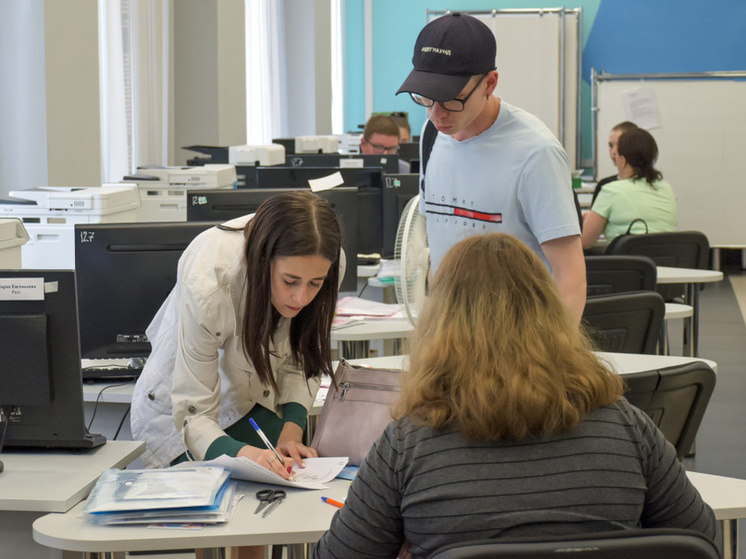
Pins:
x,y
352,309
314,474
174,495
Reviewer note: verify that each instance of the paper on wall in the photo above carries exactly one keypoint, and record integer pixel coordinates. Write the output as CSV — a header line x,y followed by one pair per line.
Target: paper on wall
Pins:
x,y
640,106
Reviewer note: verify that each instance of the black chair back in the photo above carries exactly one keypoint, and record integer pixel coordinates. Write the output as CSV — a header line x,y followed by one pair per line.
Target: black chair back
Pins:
x,y
675,398
619,274
625,322
619,544
678,249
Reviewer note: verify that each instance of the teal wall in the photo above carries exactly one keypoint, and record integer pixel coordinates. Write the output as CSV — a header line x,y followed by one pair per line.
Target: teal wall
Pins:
x,y
619,36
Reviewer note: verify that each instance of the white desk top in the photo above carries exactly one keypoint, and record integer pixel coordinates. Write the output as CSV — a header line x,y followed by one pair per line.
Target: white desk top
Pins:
x,y
678,310
668,274
367,271
55,480
622,363
303,517
374,329
726,495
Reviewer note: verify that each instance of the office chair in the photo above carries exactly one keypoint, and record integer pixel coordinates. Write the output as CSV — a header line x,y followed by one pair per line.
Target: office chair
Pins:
x,y
619,544
678,249
625,322
675,398
619,274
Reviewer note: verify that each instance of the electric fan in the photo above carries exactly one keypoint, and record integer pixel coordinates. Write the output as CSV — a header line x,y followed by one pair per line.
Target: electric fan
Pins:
x,y
414,258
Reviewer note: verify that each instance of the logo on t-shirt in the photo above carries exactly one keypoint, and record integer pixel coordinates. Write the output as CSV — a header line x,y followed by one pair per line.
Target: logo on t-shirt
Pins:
x,y
461,212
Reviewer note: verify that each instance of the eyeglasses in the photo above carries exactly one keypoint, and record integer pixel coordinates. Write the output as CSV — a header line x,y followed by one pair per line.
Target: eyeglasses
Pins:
x,y
453,105
378,148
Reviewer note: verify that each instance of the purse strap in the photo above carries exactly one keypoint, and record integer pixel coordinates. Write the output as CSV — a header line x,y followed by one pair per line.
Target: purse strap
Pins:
x,y
629,229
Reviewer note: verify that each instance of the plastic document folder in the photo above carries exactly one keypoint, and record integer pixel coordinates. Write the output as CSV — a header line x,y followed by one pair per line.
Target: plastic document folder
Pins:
x,y
199,494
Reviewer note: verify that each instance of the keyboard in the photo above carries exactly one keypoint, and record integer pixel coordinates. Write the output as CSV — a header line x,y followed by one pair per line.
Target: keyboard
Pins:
x,y
111,370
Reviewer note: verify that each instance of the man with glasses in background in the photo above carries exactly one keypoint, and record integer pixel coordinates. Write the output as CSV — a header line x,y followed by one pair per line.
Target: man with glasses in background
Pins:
x,y
380,136
492,166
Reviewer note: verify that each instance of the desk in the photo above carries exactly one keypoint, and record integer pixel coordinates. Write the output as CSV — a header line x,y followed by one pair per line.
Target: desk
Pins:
x,y
38,482
355,339
727,497
304,519
692,277
621,363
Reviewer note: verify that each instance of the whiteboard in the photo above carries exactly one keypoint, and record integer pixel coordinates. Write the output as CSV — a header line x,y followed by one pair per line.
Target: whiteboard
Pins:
x,y
537,65
702,123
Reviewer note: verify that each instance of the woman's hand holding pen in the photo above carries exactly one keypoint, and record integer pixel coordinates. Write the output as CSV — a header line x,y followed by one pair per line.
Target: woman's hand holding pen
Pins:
x,y
267,459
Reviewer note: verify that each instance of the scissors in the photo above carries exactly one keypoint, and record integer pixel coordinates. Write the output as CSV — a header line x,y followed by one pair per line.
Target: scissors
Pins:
x,y
271,497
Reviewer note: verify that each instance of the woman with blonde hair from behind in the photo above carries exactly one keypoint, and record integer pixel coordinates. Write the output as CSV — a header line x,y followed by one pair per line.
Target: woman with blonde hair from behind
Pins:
x,y
509,426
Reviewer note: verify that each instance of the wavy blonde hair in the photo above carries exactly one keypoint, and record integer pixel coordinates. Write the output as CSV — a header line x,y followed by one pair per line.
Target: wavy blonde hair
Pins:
x,y
496,351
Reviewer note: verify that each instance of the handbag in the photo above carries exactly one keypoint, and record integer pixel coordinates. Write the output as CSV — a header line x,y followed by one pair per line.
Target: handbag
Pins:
x,y
611,246
357,409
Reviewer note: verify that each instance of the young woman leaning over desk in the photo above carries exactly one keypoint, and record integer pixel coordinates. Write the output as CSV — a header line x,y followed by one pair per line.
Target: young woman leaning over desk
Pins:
x,y
508,425
243,335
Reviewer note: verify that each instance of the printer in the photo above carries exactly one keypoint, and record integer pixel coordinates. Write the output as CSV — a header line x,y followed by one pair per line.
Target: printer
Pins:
x,y
12,235
247,155
246,158
49,214
163,190
309,144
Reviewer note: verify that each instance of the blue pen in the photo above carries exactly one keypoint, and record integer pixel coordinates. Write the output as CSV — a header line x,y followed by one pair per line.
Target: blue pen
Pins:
x,y
266,440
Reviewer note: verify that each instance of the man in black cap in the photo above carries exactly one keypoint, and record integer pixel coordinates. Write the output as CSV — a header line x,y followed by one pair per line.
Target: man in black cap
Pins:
x,y
492,166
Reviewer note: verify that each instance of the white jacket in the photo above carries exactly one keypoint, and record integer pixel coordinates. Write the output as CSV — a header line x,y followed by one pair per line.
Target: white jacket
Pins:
x,y
197,375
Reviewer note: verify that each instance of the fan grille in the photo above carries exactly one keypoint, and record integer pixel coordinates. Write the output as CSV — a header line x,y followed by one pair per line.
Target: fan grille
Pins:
x,y
414,258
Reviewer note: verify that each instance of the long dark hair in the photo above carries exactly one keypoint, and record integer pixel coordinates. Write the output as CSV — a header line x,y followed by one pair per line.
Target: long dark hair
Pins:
x,y
640,150
293,224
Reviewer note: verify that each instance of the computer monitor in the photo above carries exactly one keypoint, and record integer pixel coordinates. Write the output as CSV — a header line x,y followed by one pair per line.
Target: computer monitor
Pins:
x,y
398,189
125,272
409,151
41,391
368,180
298,177
222,205
312,160
388,163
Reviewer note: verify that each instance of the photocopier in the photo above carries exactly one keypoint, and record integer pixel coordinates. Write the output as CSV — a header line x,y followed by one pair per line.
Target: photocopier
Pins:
x,y
49,214
163,189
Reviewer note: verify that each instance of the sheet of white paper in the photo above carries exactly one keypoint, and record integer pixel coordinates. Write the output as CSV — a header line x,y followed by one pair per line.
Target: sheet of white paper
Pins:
x,y
317,472
351,163
355,306
326,183
641,108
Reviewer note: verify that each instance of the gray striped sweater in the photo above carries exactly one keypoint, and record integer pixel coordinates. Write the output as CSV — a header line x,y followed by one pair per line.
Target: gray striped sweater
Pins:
x,y
435,488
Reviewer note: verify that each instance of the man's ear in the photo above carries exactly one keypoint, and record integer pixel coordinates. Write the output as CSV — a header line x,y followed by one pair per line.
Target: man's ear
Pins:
x,y
491,80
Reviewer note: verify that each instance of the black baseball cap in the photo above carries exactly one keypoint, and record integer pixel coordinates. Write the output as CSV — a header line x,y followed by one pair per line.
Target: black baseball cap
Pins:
x,y
449,50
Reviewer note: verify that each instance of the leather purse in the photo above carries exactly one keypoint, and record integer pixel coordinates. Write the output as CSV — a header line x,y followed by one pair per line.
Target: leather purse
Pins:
x,y
358,407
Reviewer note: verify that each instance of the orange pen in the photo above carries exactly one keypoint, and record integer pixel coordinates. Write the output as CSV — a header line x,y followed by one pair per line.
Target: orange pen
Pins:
x,y
332,502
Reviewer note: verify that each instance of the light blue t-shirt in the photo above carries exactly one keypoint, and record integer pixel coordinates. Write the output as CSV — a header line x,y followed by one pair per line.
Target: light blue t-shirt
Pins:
x,y
623,201
512,178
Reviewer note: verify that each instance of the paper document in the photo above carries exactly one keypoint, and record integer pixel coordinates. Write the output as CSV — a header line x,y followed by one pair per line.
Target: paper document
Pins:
x,y
221,513
137,490
355,306
641,107
317,472
326,183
